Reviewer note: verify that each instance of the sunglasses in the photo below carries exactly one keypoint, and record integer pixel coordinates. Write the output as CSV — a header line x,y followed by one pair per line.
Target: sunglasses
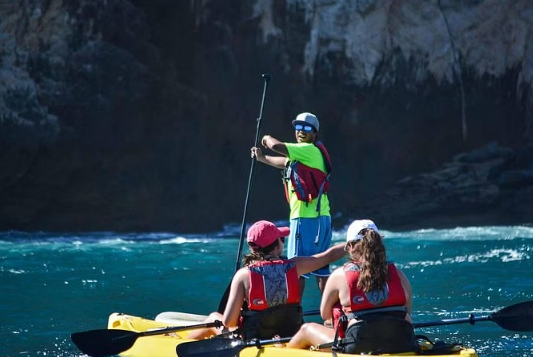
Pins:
x,y
306,128
282,239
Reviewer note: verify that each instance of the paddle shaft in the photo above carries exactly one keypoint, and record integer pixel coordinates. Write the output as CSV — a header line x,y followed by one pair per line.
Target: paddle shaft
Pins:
x,y
224,299
266,78
517,317
471,320
259,343
162,331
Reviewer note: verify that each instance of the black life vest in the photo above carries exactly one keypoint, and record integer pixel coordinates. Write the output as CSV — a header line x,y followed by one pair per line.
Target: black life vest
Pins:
x,y
307,182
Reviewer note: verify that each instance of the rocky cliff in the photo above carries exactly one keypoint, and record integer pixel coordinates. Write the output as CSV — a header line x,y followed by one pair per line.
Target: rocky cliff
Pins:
x,y
139,115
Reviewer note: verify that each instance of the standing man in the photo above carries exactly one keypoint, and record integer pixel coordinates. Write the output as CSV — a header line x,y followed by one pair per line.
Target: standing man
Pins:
x,y
306,166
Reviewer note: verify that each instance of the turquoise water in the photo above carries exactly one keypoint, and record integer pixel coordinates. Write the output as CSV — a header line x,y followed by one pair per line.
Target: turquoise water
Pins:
x,y
56,284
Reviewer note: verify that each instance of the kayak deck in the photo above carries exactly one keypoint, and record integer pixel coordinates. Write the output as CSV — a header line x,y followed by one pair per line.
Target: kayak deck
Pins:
x,y
165,345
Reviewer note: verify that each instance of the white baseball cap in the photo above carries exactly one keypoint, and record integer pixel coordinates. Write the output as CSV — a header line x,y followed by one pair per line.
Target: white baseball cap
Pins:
x,y
307,118
356,227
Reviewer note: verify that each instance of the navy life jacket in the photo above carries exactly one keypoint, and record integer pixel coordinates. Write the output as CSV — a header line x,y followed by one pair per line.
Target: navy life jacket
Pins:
x,y
308,183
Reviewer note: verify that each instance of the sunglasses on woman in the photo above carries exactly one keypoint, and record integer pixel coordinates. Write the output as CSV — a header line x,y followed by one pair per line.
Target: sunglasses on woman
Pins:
x,y
306,128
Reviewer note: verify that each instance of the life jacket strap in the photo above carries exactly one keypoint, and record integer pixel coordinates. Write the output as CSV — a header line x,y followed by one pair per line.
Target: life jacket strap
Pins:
x,y
360,315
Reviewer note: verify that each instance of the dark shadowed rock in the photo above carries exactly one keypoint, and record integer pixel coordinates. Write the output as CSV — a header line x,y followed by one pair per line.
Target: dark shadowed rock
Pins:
x,y
139,115
490,185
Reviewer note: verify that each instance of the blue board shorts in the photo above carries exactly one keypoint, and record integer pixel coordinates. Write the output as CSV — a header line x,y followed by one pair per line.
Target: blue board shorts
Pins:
x,y
310,236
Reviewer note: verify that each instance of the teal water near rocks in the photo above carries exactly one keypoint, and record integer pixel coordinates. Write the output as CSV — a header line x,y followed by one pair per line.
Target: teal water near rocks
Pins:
x,y
56,284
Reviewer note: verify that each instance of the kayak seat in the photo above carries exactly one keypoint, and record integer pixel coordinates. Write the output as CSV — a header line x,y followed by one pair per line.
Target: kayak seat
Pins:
x,y
378,334
283,321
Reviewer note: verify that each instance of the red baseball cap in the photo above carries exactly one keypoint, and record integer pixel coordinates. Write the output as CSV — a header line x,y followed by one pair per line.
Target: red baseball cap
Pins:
x,y
264,233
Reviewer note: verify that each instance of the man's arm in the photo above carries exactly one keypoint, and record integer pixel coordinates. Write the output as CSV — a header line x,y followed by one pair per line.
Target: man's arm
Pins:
x,y
278,162
275,145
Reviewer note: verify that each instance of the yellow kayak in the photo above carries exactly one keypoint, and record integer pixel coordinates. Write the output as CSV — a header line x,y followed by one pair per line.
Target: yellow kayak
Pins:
x,y
164,345
166,336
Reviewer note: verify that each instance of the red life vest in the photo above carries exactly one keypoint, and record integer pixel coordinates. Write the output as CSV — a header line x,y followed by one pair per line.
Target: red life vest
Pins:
x,y
273,283
307,182
393,295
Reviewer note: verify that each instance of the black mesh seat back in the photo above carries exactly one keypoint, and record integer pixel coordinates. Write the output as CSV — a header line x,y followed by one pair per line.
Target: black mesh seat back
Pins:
x,y
283,321
381,335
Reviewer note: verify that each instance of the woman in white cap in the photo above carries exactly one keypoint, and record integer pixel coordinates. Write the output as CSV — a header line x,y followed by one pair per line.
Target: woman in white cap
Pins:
x,y
307,166
369,299
265,291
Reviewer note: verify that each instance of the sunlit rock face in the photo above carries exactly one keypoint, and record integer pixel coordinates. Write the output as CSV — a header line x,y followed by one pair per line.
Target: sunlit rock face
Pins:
x,y
140,115
490,37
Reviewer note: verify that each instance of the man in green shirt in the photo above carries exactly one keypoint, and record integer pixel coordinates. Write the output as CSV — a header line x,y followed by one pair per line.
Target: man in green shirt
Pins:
x,y
310,219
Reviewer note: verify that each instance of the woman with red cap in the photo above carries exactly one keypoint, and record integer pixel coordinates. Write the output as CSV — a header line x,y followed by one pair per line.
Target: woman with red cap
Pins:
x,y
264,298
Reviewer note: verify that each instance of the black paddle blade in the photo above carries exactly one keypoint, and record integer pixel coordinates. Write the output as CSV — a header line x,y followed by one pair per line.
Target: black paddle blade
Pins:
x,y
518,317
213,347
104,342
